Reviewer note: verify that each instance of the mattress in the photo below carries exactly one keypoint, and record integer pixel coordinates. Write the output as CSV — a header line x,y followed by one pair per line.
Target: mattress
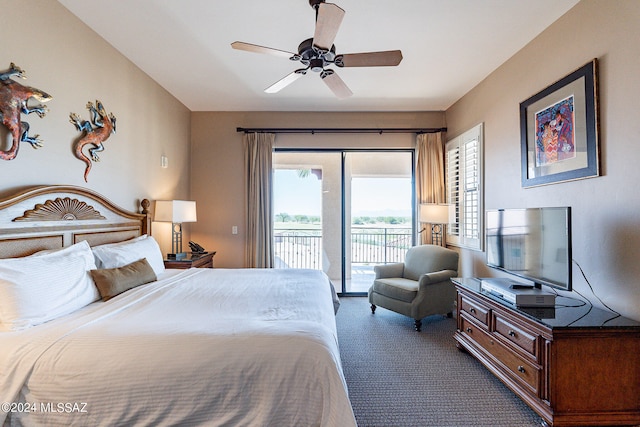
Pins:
x,y
214,347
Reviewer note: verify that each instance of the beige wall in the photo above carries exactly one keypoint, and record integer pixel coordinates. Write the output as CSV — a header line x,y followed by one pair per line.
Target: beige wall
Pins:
x,y
66,59
217,161
606,210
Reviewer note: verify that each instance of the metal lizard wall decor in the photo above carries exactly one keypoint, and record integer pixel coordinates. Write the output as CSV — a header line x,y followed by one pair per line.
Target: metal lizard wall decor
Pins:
x,y
14,99
96,130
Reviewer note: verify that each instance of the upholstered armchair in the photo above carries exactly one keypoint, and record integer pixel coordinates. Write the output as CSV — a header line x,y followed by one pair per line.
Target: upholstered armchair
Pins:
x,y
420,286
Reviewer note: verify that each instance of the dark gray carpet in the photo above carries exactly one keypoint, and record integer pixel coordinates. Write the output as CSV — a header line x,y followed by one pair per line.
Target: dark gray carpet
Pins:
x,y
399,377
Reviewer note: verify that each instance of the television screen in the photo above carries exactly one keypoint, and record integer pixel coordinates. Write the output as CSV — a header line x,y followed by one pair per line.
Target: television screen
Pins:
x,y
533,243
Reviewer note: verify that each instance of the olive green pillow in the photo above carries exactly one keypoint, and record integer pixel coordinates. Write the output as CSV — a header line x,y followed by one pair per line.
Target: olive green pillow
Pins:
x,y
113,281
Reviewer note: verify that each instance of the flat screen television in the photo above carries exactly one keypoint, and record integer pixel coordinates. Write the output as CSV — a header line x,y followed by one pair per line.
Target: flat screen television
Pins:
x,y
532,243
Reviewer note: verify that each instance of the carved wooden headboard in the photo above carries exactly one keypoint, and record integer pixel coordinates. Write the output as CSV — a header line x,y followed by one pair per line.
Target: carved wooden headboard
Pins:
x,y
50,217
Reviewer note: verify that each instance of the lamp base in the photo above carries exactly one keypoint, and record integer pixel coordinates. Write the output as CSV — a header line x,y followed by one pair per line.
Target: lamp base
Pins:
x,y
436,234
179,255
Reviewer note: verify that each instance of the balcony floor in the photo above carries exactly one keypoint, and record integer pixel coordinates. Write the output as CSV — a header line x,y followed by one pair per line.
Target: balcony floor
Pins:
x,y
361,279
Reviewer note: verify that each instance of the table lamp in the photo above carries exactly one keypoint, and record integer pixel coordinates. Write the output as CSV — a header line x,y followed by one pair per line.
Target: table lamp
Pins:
x,y
176,212
435,214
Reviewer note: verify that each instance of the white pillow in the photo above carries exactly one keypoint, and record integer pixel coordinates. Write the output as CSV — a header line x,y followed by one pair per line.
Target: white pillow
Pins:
x,y
42,287
114,255
124,242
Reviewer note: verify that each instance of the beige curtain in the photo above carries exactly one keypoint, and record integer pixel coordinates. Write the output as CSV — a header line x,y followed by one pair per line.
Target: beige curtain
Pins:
x,y
429,175
259,241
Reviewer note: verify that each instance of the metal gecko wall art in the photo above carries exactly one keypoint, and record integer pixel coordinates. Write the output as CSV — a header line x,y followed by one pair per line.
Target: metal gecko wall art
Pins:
x,y
14,99
96,130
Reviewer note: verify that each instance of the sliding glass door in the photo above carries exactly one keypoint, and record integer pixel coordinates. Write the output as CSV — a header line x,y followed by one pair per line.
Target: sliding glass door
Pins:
x,y
307,205
343,212
379,223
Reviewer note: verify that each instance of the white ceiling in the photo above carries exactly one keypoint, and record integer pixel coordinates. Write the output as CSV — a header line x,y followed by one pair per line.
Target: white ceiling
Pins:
x,y
449,46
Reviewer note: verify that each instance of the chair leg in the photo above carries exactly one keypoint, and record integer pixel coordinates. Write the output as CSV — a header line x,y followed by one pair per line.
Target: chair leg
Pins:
x,y
418,324
373,309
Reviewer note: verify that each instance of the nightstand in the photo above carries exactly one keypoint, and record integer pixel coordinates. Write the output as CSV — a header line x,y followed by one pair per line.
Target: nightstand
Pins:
x,y
192,260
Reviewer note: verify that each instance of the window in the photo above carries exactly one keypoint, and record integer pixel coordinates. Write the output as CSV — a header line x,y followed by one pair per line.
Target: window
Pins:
x,y
463,174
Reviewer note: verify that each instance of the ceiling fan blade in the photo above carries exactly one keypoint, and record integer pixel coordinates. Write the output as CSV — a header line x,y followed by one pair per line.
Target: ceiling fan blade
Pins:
x,y
261,49
369,59
336,84
328,20
286,81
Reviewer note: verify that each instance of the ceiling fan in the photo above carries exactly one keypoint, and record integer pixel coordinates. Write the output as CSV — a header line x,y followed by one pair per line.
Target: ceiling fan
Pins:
x,y
319,52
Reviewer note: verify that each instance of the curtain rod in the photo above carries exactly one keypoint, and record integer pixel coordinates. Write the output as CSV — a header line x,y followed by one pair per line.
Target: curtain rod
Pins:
x,y
341,130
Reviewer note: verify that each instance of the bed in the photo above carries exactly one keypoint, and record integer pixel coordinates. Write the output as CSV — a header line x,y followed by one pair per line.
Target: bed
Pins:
x,y
232,347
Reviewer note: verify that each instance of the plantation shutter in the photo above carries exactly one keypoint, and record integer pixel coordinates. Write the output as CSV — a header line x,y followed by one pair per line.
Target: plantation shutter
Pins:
x,y
452,177
463,162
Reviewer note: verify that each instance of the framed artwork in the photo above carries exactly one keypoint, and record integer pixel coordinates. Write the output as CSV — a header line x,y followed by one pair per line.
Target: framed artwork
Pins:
x,y
559,130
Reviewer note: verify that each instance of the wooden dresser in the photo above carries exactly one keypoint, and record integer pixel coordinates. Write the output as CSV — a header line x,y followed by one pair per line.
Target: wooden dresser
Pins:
x,y
575,365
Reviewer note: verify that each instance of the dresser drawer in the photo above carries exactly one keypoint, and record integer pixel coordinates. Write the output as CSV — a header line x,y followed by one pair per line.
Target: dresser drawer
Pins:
x,y
475,309
513,365
521,338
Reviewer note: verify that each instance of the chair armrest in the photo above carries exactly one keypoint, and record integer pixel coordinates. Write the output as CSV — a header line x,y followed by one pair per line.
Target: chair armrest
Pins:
x,y
436,277
389,270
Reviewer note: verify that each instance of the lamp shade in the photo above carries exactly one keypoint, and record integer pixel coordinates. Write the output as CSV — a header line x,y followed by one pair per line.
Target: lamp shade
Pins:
x,y
176,211
434,213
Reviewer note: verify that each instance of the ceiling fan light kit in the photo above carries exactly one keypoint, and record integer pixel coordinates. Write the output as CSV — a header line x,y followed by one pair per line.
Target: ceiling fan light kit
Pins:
x,y
319,52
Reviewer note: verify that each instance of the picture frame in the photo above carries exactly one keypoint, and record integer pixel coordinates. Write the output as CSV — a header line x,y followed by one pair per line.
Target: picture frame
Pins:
x,y
559,130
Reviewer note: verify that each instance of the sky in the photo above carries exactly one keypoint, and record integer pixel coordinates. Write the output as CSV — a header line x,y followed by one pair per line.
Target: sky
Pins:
x,y
294,195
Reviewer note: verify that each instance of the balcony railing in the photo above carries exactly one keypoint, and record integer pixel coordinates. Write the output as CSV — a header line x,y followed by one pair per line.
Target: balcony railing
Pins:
x,y
302,248
298,248
379,245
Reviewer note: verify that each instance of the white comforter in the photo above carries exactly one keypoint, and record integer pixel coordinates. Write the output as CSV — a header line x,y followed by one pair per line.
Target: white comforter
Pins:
x,y
202,347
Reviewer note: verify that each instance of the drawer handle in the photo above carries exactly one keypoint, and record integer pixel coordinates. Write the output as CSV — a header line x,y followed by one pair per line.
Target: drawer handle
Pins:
x,y
521,369
472,310
512,333
469,330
